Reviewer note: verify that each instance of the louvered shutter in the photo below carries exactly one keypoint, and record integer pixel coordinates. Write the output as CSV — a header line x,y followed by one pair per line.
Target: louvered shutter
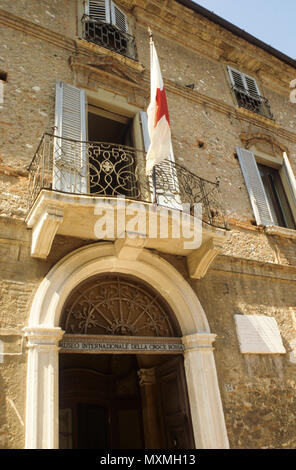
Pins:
x,y
290,177
118,18
172,200
98,10
70,164
252,86
244,82
255,187
236,78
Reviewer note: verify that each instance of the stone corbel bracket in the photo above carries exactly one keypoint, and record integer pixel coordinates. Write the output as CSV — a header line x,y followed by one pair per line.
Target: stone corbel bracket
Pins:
x,y
199,261
44,230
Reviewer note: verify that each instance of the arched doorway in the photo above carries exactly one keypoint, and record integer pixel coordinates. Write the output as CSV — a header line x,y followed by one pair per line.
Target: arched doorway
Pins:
x,y
44,336
121,400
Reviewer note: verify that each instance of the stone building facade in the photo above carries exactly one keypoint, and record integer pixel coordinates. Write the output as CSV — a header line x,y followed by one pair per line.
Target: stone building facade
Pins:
x,y
74,81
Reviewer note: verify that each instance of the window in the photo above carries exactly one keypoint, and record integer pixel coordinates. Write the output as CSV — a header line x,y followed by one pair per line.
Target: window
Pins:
x,y
272,190
98,149
105,11
95,151
105,24
247,93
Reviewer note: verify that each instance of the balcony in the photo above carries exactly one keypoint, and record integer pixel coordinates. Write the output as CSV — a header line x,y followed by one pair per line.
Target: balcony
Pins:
x,y
72,182
253,102
108,36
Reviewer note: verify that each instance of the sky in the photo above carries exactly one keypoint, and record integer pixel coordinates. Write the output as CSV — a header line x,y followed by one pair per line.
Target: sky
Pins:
x,y
271,21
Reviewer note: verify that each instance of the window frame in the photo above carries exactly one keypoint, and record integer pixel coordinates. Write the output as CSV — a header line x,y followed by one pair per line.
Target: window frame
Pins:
x,y
277,162
244,77
260,201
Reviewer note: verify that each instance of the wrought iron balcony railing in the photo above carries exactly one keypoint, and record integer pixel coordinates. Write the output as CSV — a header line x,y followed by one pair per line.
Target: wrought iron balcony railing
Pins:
x,y
107,35
256,103
111,170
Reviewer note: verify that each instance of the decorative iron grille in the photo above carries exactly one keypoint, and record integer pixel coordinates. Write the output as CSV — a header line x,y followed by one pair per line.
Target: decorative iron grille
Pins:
x,y
107,35
111,170
256,103
117,305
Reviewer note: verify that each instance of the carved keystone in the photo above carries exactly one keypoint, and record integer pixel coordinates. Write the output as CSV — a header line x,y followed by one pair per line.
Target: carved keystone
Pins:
x,y
130,246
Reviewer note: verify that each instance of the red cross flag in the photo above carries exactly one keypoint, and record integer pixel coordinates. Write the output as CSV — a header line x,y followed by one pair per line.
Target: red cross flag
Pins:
x,y
158,115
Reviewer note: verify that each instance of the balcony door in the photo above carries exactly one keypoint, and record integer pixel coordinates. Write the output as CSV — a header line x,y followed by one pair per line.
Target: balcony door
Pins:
x,y
94,148
111,155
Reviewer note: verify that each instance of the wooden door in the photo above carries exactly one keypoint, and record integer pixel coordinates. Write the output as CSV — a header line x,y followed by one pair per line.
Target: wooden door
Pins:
x,y
175,409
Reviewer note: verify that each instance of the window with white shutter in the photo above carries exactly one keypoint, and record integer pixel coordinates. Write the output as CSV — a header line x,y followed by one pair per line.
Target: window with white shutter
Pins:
x,y
247,93
266,190
105,24
98,10
118,18
106,11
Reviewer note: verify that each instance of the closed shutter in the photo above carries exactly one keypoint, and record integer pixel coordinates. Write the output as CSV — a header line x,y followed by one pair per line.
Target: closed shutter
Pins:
x,y
290,177
255,187
70,165
118,18
98,10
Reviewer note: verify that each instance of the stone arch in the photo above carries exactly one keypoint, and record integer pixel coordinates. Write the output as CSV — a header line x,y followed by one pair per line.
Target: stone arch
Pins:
x,y
101,258
44,333
253,138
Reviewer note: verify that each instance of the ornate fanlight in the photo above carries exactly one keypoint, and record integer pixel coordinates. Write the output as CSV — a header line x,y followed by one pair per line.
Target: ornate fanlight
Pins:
x,y
115,304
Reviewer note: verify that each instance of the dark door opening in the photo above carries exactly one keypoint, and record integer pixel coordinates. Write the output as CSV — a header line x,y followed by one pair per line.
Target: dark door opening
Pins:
x,y
111,155
106,404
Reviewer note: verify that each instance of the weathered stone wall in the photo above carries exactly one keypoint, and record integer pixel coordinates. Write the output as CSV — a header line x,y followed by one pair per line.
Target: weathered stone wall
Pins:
x,y
255,274
258,391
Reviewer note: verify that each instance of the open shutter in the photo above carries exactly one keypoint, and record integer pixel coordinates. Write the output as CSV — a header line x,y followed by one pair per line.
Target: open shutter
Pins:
x,y
290,177
236,78
118,18
255,187
252,86
244,82
70,164
98,10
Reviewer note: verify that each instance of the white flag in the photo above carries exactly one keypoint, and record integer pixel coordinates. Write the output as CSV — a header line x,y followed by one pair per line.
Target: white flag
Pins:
x,y
158,116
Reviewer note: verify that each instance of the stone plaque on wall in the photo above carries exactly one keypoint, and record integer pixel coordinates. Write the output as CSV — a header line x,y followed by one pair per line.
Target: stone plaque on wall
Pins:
x,y
258,334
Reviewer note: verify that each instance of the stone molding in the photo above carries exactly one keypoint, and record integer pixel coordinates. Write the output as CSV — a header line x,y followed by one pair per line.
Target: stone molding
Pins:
x,y
101,258
43,334
250,139
233,266
28,27
280,231
42,337
199,342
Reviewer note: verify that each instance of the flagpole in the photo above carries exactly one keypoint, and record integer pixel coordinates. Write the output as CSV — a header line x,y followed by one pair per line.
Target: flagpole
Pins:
x,y
151,59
